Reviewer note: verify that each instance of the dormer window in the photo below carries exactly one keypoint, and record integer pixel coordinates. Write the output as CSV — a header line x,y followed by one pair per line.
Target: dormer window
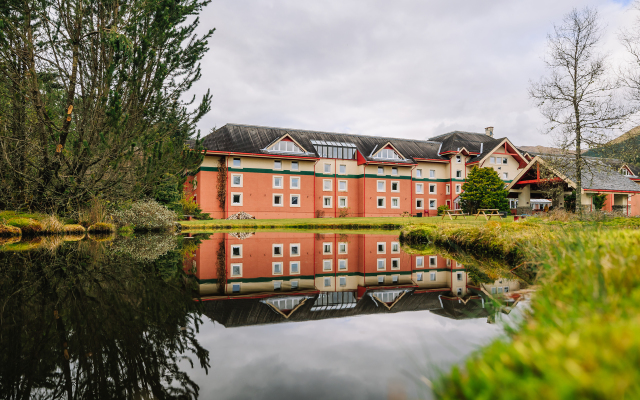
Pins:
x,y
286,146
388,154
458,159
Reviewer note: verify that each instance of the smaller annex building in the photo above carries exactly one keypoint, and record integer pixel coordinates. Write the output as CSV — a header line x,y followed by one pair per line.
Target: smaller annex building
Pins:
x,y
288,173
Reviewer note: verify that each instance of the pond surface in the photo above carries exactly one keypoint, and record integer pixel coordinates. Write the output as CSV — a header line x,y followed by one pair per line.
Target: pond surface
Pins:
x,y
267,315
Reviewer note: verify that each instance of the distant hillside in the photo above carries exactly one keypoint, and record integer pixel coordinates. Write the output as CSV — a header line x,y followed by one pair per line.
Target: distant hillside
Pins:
x,y
544,150
625,147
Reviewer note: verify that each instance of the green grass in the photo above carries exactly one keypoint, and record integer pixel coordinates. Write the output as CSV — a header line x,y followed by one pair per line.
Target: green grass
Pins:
x,y
327,223
582,337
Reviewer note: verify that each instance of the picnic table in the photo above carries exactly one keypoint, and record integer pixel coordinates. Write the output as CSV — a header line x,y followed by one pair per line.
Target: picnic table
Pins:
x,y
453,214
487,213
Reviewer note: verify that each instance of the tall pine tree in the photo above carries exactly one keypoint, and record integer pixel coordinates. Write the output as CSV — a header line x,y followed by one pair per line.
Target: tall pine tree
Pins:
x,y
92,98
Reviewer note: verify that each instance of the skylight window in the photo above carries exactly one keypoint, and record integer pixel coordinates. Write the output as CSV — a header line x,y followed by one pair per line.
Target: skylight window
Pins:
x,y
329,149
387,154
286,147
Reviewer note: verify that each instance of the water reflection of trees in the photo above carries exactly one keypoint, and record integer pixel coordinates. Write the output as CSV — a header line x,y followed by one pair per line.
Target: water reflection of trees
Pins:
x,y
83,321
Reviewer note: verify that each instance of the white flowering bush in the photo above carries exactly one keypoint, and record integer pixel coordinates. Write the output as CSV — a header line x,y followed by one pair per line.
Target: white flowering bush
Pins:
x,y
146,215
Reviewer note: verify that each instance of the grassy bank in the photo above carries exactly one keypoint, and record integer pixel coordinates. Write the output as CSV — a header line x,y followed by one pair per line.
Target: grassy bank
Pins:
x,y
582,339
393,223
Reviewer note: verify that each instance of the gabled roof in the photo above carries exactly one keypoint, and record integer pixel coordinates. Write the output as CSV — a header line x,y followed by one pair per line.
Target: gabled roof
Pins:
x,y
252,139
476,143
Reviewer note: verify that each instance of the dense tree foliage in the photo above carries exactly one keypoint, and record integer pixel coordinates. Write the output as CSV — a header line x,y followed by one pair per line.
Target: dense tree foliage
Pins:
x,y
91,98
483,189
599,200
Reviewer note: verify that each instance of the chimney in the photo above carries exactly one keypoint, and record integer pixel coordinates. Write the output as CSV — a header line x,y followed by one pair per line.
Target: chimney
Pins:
x,y
489,131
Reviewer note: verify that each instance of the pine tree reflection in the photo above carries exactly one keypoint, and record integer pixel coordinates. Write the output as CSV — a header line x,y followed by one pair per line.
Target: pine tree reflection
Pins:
x,y
84,321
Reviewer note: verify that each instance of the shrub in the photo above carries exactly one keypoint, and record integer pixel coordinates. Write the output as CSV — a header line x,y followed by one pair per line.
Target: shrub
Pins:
x,y
442,209
189,205
344,212
96,212
101,227
598,201
319,213
73,229
28,226
51,224
146,215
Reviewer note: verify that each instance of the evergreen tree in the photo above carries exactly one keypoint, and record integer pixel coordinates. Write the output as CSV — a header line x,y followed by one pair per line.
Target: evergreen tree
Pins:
x,y
483,189
599,200
92,98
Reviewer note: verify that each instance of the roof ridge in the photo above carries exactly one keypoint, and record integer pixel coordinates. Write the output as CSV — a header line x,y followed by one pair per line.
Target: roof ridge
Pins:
x,y
332,133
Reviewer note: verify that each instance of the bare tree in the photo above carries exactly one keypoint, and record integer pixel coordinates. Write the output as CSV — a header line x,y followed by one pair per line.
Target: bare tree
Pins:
x,y
578,98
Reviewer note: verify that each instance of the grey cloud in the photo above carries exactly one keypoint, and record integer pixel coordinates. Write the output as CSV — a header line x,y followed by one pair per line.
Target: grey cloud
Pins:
x,y
403,68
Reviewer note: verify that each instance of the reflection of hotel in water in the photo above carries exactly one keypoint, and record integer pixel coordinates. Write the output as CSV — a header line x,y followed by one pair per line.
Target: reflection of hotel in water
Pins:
x,y
273,277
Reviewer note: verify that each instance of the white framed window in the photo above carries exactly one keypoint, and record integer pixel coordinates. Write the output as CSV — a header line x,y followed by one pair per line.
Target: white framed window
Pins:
x,y
380,279
277,250
343,247
395,263
459,291
294,200
276,268
277,285
326,201
277,200
235,288
458,188
394,171
236,180
419,173
327,282
458,159
237,163
295,284
505,160
236,251
499,160
294,249
342,202
327,265
382,186
394,278
342,265
381,202
420,262
448,262
459,276
420,204
342,186
432,276
448,189
432,188
432,173
433,261
494,290
294,182
382,264
295,166
381,248
286,146
327,168
380,170
294,267
492,160
343,281
459,173
395,202
277,182
419,188
419,277
236,199
395,186
277,164
433,204
236,270
327,248
506,289
342,169
395,247
326,185
505,175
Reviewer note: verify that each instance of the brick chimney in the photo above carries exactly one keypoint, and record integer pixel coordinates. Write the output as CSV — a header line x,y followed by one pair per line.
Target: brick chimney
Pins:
x,y
489,131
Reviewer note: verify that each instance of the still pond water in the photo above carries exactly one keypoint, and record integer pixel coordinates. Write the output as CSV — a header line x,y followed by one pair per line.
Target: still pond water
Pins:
x,y
267,315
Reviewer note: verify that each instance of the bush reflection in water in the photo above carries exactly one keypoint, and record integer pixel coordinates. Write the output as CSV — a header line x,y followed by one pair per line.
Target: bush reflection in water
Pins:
x,y
95,320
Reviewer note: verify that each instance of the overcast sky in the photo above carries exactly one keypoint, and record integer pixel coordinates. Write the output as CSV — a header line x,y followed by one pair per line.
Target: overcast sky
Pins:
x,y
412,69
